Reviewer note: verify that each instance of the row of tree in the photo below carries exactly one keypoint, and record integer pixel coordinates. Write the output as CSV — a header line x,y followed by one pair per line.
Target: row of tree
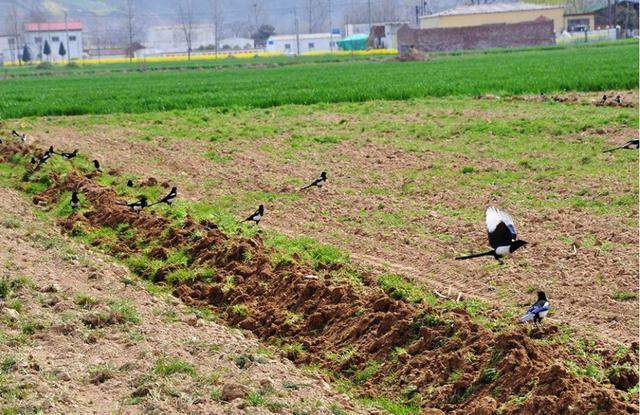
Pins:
x,y
46,50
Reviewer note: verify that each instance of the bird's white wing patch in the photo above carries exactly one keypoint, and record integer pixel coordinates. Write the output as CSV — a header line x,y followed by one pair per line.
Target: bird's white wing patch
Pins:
x,y
495,216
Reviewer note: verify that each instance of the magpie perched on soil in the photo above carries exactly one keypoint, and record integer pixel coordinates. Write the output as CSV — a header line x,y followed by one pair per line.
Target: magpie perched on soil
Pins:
x,y
69,156
130,183
618,99
502,235
257,215
317,182
604,98
96,164
22,137
629,145
138,205
538,310
168,199
75,200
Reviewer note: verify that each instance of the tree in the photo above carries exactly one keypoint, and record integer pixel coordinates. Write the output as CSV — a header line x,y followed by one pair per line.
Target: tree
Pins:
x,y
256,14
263,33
317,14
130,24
185,14
47,49
26,54
13,23
61,50
217,16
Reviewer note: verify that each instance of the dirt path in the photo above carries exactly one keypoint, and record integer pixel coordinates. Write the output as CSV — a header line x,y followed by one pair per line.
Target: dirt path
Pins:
x,y
79,335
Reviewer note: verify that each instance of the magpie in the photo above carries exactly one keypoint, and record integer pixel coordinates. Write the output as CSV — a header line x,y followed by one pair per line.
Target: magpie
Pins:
x,y
75,200
618,100
22,137
629,145
168,199
317,182
257,215
604,98
96,164
538,310
43,159
130,183
502,235
138,205
69,156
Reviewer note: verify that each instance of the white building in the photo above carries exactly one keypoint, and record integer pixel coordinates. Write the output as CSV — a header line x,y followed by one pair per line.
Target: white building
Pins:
x,y
232,43
309,42
9,49
172,39
35,35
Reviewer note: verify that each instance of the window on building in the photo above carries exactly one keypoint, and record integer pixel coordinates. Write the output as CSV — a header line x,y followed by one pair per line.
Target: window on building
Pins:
x,y
72,38
332,44
312,45
287,46
38,39
12,42
578,25
55,39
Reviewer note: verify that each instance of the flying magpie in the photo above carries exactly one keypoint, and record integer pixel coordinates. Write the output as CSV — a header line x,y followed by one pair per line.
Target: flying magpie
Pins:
x,y
138,205
502,235
22,137
538,310
96,164
168,199
257,215
629,145
43,159
75,200
69,156
317,182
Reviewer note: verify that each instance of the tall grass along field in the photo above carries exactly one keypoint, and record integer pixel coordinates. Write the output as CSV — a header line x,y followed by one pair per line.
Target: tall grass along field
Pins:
x,y
527,71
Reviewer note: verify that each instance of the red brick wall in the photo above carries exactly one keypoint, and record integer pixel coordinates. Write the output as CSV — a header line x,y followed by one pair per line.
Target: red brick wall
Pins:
x,y
501,35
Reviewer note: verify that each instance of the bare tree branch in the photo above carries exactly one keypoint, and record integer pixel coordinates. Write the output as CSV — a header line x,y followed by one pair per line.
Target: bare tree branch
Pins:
x,y
185,15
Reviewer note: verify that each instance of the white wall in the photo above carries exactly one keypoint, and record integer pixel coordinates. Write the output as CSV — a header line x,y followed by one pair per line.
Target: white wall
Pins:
x,y
8,49
308,43
35,42
171,39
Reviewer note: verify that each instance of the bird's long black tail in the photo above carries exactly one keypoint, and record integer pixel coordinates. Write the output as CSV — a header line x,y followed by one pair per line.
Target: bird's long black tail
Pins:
x,y
306,187
612,149
476,255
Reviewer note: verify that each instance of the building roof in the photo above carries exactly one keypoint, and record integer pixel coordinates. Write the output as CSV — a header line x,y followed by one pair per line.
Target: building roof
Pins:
x,y
603,5
304,36
52,27
494,8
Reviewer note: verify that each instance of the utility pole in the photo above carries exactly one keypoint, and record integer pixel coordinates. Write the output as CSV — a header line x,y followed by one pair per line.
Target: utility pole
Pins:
x,y
330,28
295,17
66,29
369,13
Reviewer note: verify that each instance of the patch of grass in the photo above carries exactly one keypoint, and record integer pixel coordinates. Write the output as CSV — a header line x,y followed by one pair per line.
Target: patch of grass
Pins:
x,y
240,309
365,374
124,310
167,366
8,363
399,288
391,406
624,295
86,301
